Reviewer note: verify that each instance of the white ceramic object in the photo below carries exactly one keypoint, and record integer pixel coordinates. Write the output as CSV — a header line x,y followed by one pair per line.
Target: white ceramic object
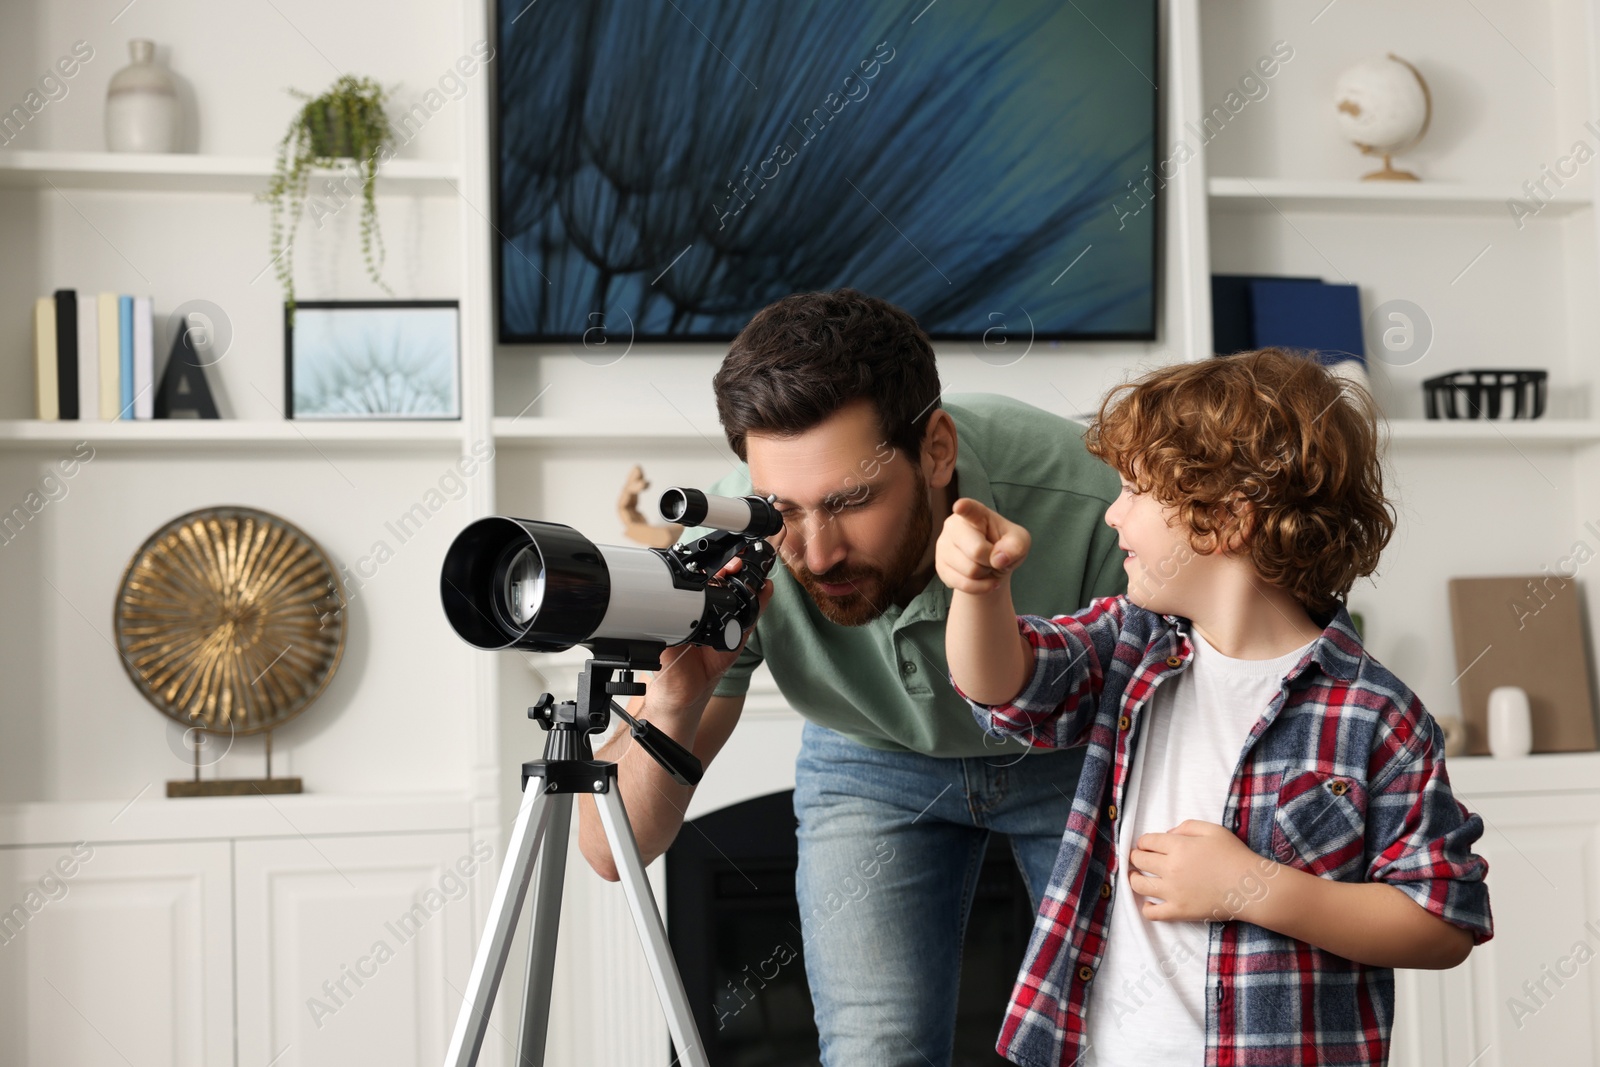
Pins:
x,y
1510,722
142,104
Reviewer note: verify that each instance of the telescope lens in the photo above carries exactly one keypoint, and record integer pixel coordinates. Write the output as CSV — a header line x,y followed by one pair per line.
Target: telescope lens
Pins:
x,y
524,591
517,583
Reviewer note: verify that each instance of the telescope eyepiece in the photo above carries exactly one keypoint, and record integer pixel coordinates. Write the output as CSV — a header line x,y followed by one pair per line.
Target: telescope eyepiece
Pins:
x,y
747,516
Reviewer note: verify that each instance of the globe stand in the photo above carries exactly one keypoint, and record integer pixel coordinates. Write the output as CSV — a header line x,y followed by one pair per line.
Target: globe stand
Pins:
x,y
1389,173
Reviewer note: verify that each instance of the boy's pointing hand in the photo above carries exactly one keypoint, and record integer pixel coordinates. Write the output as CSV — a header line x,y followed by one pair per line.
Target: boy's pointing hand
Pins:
x,y
978,549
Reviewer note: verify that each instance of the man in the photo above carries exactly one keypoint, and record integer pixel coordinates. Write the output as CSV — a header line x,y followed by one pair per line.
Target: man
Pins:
x,y
833,401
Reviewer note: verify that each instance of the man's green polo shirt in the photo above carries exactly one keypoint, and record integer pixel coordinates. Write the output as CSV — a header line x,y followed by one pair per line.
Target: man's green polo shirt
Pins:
x,y
885,684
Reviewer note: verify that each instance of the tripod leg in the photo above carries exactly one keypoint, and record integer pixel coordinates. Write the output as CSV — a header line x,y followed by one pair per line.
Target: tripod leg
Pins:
x,y
510,890
539,978
652,934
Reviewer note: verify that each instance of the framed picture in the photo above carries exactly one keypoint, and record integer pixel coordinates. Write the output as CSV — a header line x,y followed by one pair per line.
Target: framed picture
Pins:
x,y
372,359
991,168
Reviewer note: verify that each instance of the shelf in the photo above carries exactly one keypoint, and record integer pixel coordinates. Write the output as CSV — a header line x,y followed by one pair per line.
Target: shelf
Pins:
x,y
1555,432
580,433
576,433
1380,198
195,173
1544,773
150,815
225,433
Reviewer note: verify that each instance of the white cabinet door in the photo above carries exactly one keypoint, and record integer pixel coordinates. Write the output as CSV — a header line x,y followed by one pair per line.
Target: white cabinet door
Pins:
x,y
116,954
354,949
1530,995
1418,1020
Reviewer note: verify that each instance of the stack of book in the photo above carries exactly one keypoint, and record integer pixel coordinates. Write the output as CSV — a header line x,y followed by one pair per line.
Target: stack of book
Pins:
x,y
94,355
1259,311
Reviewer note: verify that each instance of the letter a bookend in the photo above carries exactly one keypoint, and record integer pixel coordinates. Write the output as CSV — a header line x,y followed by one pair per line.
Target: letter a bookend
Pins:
x,y
184,391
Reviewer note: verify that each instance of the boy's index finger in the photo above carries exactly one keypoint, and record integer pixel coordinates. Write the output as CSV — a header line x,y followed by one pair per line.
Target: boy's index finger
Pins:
x,y
973,511
977,517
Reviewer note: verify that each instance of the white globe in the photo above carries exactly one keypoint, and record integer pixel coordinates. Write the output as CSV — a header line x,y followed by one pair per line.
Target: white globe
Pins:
x,y
1381,104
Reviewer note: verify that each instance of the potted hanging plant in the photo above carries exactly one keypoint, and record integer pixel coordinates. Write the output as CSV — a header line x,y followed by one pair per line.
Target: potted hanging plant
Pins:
x,y
344,128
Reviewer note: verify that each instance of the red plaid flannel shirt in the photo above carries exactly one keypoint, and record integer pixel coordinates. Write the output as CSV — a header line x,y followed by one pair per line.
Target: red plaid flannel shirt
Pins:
x,y
1343,776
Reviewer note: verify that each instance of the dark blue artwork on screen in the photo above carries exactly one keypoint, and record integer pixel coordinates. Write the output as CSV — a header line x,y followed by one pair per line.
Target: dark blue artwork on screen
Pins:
x,y
667,169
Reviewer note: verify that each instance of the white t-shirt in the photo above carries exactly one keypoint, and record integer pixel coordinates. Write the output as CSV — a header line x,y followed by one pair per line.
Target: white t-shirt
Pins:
x,y
1147,1004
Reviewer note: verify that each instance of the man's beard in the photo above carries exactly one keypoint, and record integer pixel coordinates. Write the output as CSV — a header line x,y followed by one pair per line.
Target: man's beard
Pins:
x,y
875,588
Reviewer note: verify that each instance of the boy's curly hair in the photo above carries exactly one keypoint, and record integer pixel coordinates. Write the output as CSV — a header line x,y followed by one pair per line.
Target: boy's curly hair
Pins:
x,y
1271,429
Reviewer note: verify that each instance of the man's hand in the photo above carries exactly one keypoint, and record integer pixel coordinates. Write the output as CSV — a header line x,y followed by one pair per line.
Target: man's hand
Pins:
x,y
978,549
1200,870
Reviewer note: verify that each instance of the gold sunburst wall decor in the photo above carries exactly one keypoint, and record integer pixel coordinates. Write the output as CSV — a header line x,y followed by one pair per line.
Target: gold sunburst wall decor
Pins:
x,y
230,620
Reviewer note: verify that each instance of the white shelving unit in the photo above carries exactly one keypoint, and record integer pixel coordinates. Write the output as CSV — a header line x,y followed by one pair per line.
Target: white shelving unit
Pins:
x,y
400,753
195,173
227,433
1380,198
1496,433
187,227
1513,88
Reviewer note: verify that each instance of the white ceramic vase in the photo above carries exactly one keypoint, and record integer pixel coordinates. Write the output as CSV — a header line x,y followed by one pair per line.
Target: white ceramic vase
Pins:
x,y
1510,722
142,104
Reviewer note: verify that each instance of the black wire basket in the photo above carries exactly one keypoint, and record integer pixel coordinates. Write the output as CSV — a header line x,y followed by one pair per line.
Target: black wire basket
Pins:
x,y
1485,394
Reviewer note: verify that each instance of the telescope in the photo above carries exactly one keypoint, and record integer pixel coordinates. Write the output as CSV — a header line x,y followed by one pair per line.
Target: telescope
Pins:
x,y
544,587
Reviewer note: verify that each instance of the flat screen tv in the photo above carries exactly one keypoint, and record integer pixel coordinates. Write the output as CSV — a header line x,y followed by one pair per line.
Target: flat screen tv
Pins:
x,y
665,168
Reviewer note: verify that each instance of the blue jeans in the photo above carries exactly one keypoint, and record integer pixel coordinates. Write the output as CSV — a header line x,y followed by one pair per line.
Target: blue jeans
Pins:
x,y
890,847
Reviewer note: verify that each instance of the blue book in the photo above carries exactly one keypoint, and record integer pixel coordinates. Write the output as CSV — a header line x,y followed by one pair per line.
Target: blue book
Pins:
x,y
1232,318
125,354
1323,318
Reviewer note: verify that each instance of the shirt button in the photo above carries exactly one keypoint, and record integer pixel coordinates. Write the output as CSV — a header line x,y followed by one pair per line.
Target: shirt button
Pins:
x,y
1123,722
908,667
1339,787
1174,661
1111,811
1085,972
1105,891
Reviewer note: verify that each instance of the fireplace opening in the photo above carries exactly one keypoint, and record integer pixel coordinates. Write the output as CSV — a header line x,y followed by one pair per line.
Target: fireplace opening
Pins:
x,y
734,924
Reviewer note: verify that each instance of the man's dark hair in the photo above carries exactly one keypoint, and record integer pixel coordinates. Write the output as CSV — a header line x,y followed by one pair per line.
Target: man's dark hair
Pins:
x,y
804,357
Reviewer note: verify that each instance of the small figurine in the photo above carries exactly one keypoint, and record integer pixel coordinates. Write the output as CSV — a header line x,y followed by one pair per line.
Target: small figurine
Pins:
x,y
635,527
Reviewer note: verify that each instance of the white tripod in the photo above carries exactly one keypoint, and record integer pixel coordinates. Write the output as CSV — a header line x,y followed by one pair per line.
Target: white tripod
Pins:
x,y
541,832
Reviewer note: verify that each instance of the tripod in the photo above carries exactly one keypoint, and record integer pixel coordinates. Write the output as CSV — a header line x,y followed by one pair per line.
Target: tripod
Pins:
x,y
541,832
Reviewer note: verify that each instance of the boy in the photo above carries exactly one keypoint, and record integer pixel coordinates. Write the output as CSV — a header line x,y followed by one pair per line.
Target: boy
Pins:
x,y
1264,827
